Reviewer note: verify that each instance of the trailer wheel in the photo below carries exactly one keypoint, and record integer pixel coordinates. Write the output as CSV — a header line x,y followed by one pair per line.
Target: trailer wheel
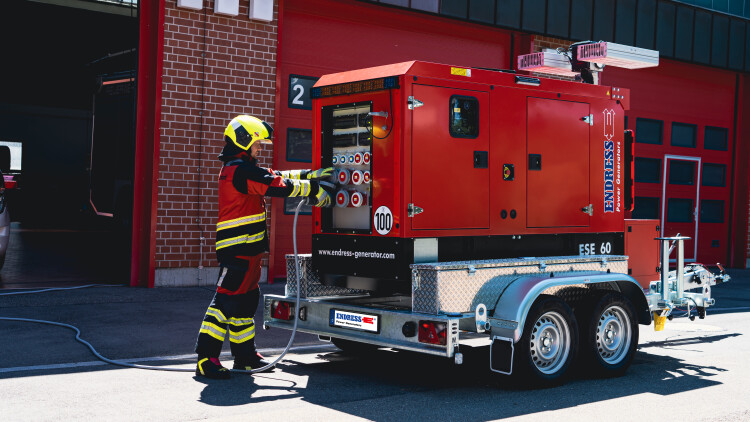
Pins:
x,y
353,347
611,336
549,343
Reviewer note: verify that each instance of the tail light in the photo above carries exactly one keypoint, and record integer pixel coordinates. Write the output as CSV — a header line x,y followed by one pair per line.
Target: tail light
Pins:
x,y
282,310
432,332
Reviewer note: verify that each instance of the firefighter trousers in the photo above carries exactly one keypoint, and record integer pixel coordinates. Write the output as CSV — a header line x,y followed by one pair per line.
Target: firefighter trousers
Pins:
x,y
232,312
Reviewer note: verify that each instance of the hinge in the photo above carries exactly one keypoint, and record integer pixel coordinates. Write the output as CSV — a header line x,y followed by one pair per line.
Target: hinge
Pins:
x,y
414,103
588,119
413,210
588,210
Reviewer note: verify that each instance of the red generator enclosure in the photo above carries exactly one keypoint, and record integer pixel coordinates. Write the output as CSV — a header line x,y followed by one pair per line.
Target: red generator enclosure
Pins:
x,y
441,163
642,251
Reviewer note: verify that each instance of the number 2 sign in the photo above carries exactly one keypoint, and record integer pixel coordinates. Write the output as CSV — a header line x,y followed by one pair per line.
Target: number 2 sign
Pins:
x,y
299,91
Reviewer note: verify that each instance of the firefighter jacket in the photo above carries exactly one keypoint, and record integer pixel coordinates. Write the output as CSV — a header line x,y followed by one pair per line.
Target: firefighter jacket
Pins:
x,y
241,227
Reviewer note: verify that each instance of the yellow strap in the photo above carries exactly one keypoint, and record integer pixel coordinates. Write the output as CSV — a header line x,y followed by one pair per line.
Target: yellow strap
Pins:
x,y
210,333
242,336
216,314
200,365
291,174
239,240
249,219
241,321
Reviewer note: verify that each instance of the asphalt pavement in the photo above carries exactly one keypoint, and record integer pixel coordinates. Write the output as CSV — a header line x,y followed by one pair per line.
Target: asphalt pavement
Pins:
x,y
691,371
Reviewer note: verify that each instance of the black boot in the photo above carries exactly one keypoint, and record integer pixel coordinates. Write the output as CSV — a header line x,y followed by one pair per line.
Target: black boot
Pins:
x,y
211,368
252,362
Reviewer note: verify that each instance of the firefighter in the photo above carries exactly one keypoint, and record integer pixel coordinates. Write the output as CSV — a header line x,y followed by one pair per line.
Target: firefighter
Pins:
x,y
241,239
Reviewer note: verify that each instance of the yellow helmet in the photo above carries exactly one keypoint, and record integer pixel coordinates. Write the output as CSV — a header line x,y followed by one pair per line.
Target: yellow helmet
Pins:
x,y
244,130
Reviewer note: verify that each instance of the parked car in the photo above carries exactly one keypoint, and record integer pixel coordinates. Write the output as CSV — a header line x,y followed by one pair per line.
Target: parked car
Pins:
x,y
7,182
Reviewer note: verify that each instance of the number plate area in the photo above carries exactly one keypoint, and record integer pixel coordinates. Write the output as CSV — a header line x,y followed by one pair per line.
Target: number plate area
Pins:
x,y
354,321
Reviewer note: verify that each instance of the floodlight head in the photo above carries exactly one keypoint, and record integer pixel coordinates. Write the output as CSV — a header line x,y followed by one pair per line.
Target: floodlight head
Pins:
x,y
548,62
617,55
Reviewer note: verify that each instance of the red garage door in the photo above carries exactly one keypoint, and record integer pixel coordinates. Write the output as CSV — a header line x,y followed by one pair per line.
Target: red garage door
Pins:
x,y
683,117
325,36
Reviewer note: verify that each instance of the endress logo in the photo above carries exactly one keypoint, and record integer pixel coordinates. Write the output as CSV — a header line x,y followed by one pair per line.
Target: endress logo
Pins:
x,y
354,318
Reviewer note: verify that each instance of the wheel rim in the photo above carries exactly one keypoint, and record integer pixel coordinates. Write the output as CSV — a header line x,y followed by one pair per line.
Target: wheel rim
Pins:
x,y
613,335
550,342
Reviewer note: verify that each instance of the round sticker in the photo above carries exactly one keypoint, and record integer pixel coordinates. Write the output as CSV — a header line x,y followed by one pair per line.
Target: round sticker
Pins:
x,y
383,220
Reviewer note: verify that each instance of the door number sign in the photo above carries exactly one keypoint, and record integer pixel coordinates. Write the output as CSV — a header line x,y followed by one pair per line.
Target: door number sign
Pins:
x,y
299,91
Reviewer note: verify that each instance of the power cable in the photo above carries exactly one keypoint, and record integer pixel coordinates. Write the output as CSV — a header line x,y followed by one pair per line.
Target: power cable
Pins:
x,y
162,368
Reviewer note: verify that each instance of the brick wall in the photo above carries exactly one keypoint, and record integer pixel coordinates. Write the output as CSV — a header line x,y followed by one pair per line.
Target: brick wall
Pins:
x,y
199,98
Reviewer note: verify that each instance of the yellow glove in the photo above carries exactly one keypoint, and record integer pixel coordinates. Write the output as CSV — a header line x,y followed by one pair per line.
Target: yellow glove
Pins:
x,y
320,173
323,198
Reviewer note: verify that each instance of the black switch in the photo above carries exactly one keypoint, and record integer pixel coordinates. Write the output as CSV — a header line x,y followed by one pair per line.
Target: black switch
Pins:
x,y
535,161
481,160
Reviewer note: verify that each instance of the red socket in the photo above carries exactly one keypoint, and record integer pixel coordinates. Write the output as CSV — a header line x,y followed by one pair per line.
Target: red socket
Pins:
x,y
342,198
357,199
358,158
343,176
366,177
366,158
357,177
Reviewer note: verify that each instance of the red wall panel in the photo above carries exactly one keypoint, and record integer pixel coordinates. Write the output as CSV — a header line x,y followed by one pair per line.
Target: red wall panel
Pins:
x,y
681,93
326,36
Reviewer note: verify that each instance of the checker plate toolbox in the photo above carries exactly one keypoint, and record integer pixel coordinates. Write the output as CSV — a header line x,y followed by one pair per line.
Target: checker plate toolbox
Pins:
x,y
459,287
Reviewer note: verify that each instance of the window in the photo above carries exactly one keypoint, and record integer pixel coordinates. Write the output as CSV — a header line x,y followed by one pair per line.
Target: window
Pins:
x,y
648,131
646,208
683,135
716,138
464,117
712,211
681,172
16,149
714,175
647,170
290,205
680,210
299,145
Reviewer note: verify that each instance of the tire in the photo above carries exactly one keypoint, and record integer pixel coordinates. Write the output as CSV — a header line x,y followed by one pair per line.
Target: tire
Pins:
x,y
548,346
353,347
611,337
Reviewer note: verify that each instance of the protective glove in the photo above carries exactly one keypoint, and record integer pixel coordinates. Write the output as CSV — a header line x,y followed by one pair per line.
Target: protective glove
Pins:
x,y
324,197
319,173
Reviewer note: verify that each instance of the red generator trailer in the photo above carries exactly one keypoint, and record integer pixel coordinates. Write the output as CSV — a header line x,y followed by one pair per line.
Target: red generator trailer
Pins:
x,y
484,203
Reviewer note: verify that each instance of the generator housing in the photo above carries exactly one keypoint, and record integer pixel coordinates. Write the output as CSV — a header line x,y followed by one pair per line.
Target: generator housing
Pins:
x,y
438,163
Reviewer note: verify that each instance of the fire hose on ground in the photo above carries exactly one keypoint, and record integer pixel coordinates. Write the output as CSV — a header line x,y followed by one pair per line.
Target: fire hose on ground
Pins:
x,y
161,368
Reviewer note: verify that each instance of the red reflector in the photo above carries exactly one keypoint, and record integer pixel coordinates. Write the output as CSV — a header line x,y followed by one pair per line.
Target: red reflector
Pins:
x,y
432,332
9,182
282,310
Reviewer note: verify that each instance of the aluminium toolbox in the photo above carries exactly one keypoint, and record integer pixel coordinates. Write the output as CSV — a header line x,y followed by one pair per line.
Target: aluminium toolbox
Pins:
x,y
459,286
